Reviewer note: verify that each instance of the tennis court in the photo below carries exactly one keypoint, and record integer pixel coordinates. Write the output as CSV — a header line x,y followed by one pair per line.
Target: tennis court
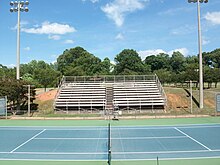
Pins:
x,y
74,143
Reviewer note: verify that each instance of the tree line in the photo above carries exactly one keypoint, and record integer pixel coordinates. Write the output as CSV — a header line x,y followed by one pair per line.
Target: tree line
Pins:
x,y
78,62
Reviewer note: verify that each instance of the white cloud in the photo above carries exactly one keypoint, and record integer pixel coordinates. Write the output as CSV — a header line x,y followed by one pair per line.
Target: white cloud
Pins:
x,y
213,17
183,30
184,51
50,28
118,9
119,37
22,24
11,65
205,41
54,37
146,53
93,1
27,48
69,42
174,11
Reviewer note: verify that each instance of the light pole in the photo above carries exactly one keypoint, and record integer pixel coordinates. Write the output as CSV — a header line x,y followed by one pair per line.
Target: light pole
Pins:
x,y
200,52
18,6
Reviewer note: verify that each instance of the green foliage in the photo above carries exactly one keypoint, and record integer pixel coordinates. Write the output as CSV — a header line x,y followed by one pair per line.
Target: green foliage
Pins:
x,y
177,62
164,75
106,67
39,73
17,94
128,62
160,61
79,62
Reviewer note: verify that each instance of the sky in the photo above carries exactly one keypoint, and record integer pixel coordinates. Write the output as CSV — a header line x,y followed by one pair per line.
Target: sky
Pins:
x,y
106,27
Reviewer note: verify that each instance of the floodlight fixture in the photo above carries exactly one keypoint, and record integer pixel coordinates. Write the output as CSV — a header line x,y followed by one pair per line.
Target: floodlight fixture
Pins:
x,y
26,9
12,3
27,3
195,1
16,9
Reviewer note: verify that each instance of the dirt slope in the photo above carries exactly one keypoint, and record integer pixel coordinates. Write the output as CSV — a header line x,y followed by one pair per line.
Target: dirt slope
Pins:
x,y
45,96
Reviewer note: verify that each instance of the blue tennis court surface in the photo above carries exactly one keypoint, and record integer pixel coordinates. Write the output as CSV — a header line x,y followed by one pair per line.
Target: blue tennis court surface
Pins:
x,y
127,143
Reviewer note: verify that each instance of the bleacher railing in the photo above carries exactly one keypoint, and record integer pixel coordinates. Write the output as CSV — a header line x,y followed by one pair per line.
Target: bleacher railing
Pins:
x,y
109,78
160,87
58,90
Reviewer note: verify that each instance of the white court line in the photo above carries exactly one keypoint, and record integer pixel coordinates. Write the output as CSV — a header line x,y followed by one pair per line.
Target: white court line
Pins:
x,y
104,153
70,138
201,126
52,128
187,158
128,138
192,139
164,152
98,160
56,160
169,126
27,141
56,153
159,137
205,125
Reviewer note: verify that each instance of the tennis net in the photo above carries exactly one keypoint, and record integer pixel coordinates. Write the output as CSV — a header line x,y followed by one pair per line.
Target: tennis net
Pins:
x,y
109,145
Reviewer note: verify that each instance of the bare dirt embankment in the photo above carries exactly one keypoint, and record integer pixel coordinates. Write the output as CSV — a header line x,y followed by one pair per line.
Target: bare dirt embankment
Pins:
x,y
45,96
45,100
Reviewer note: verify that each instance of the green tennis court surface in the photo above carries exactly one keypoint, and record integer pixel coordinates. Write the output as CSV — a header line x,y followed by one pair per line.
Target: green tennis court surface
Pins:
x,y
137,144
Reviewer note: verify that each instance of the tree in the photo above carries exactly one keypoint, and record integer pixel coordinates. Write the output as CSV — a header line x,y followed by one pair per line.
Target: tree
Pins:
x,y
35,72
212,58
128,62
47,77
216,76
16,92
106,67
68,57
6,73
77,61
177,62
160,61
208,76
164,75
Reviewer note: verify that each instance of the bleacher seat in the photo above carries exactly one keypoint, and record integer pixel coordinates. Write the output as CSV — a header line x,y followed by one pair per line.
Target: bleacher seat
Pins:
x,y
92,95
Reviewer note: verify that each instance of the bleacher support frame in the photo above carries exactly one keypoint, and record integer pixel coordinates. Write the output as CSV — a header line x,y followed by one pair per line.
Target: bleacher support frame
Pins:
x,y
88,93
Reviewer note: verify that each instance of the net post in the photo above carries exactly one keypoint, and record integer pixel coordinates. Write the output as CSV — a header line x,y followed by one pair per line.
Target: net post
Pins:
x,y
6,108
109,144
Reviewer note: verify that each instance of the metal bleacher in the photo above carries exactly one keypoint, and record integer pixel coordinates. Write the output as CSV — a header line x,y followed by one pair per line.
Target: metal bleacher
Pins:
x,y
110,93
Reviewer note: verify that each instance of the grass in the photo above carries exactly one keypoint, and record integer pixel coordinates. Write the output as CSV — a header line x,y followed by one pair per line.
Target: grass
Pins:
x,y
45,107
214,161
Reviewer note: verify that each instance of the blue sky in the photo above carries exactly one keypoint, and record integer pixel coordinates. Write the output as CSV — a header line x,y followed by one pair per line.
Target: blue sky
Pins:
x,y
106,27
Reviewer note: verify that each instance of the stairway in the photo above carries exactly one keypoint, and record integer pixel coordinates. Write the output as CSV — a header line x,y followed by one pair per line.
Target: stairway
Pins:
x,y
109,97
